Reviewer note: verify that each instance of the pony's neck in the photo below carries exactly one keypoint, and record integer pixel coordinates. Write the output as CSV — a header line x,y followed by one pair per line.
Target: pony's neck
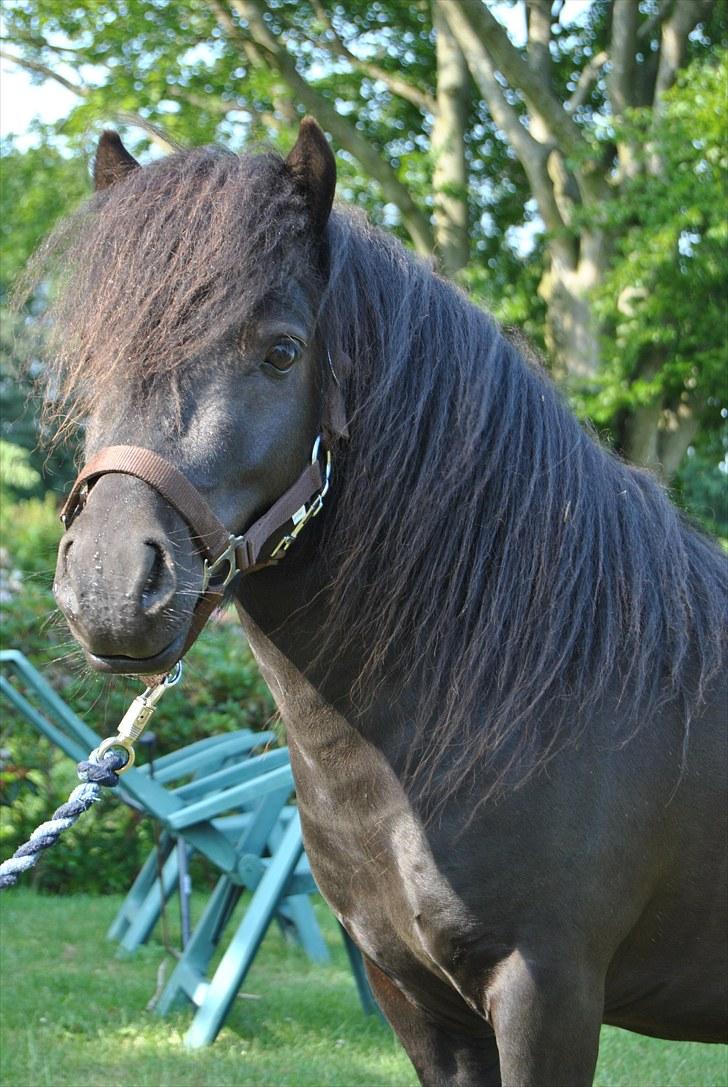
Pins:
x,y
479,549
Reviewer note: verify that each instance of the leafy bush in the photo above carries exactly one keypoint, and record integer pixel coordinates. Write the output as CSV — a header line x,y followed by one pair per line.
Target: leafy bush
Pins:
x,y
222,691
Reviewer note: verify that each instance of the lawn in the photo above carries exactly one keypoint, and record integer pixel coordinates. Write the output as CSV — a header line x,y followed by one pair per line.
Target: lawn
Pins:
x,y
74,1015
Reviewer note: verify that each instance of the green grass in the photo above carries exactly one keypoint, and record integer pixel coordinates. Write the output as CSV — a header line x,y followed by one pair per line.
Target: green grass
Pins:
x,y
74,1016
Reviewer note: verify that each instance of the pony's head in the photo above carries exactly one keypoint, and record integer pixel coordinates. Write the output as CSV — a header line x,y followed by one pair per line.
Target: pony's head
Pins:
x,y
188,310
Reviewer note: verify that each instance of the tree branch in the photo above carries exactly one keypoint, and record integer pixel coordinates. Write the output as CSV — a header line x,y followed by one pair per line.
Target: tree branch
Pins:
x,y
655,21
401,87
532,154
450,170
124,117
48,73
538,23
675,32
156,133
343,131
587,78
620,81
538,26
209,103
506,58
38,43
678,429
483,72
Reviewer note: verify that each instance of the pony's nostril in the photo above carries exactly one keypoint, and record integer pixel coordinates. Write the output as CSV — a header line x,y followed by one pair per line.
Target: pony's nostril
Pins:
x,y
155,573
64,583
159,584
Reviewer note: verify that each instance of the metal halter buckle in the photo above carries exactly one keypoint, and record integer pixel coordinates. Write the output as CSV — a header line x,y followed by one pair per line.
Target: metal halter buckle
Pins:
x,y
210,569
305,513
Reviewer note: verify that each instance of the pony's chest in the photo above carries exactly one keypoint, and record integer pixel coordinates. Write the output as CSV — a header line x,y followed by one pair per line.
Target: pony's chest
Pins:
x,y
367,849
374,865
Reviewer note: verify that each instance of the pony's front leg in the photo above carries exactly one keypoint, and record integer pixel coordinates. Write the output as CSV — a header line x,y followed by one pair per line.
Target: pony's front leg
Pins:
x,y
547,1020
442,1057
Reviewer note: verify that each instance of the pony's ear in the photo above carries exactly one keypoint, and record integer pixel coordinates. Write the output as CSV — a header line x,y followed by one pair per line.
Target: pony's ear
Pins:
x,y
113,162
312,163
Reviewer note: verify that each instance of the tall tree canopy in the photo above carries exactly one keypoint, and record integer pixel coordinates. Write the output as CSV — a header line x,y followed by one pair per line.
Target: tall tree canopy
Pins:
x,y
561,159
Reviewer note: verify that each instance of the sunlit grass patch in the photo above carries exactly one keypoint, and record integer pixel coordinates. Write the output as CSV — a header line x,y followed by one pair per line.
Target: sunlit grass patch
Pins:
x,y
73,1014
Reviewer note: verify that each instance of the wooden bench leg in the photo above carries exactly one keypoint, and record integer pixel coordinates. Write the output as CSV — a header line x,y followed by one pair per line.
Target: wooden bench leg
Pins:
x,y
148,911
138,891
188,978
237,960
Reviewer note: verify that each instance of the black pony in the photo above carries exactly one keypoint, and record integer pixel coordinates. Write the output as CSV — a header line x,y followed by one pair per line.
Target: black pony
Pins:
x,y
498,651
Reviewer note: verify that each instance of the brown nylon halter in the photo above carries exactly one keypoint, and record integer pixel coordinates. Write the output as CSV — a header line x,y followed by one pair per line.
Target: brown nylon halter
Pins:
x,y
224,555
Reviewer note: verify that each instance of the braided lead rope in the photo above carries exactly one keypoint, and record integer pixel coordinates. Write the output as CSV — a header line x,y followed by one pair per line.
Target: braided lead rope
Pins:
x,y
94,773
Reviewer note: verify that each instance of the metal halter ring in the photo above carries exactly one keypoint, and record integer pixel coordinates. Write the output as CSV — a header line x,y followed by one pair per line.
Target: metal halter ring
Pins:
x,y
327,467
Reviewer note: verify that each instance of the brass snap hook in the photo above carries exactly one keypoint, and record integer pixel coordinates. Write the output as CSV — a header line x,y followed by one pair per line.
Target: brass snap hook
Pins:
x,y
136,718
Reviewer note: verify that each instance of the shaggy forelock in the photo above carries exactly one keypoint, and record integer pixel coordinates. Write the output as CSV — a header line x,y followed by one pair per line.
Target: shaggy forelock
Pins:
x,y
157,269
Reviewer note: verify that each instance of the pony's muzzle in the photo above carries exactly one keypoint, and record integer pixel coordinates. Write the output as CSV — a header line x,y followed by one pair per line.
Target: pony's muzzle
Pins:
x,y
127,576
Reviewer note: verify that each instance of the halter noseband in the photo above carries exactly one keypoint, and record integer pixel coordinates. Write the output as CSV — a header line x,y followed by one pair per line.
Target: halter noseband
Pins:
x,y
224,554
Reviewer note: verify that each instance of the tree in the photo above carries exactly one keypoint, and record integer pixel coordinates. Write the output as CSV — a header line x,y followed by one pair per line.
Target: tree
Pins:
x,y
38,185
662,305
575,172
448,132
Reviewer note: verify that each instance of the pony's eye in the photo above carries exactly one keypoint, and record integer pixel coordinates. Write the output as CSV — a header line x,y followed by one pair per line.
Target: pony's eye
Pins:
x,y
283,354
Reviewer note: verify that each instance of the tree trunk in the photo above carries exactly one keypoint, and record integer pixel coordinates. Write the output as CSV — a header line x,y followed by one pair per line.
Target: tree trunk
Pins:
x,y
450,175
641,436
678,430
571,334
657,437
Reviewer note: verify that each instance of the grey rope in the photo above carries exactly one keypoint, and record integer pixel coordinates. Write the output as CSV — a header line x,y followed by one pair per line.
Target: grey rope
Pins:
x,y
94,773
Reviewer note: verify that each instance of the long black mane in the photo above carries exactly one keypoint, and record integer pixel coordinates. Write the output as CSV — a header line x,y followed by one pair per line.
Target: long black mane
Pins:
x,y
483,543
488,545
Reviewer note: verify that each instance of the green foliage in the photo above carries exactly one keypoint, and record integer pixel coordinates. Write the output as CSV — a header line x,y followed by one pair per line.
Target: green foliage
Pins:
x,y
20,426
701,485
663,302
198,76
39,184
222,691
16,472
173,65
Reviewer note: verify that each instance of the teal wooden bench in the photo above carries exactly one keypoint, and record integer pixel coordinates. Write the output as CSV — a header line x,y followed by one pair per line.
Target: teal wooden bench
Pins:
x,y
235,811
212,764
284,875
